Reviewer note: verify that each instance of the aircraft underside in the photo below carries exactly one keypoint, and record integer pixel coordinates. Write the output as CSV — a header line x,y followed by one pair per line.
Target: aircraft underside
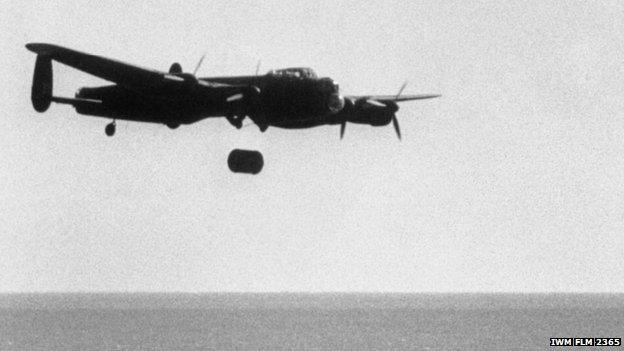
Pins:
x,y
119,103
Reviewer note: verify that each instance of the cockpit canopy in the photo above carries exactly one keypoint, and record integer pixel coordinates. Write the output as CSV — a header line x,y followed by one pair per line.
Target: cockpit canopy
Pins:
x,y
294,72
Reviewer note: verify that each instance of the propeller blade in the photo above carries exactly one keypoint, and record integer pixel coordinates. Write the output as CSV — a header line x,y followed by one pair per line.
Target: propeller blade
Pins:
x,y
342,129
395,121
258,67
199,64
401,90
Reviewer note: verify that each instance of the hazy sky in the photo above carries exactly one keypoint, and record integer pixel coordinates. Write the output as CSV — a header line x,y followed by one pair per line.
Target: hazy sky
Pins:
x,y
512,181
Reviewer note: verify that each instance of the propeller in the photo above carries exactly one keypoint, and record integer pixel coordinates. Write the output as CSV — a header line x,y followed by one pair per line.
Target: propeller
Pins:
x,y
384,103
395,121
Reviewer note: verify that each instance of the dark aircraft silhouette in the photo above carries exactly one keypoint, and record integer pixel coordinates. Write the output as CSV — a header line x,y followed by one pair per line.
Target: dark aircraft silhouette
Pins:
x,y
286,98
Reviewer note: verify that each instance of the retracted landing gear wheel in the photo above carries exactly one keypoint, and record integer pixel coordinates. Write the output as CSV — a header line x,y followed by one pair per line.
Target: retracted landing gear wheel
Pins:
x,y
110,129
173,125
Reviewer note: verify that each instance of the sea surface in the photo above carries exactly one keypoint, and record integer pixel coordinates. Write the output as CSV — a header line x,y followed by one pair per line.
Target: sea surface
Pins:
x,y
305,321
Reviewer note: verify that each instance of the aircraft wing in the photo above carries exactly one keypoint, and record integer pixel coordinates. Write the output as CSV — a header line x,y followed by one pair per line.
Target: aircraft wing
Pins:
x,y
108,69
392,97
124,74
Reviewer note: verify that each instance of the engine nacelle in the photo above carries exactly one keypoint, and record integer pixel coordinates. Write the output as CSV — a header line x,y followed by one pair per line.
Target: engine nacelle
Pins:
x,y
245,161
373,112
41,94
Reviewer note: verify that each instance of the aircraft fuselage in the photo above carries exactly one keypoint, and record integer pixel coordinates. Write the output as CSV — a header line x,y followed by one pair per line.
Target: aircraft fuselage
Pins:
x,y
283,101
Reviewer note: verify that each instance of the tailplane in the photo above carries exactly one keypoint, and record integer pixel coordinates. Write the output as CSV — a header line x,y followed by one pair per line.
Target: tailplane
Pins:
x,y
41,95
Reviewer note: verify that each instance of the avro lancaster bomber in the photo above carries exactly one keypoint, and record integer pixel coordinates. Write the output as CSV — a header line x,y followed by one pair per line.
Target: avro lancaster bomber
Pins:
x,y
291,98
